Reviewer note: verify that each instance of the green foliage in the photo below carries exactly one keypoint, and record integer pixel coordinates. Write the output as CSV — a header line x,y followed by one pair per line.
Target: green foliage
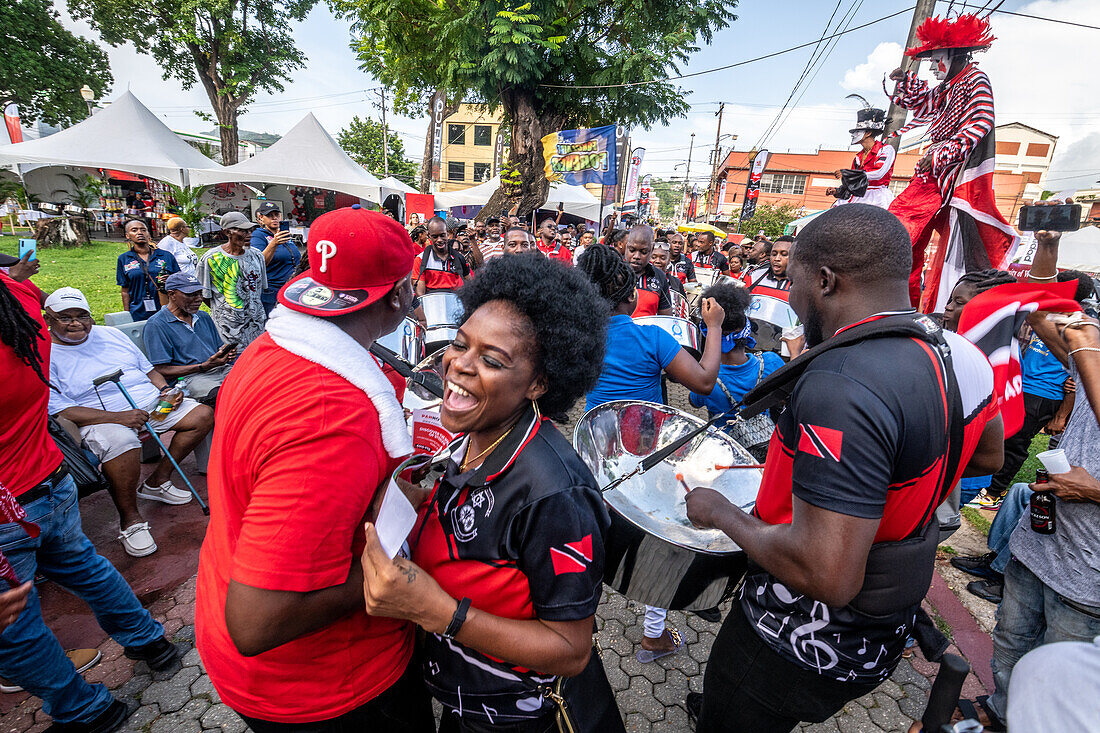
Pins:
x,y
87,189
43,66
668,194
769,217
362,140
977,518
188,203
13,189
233,47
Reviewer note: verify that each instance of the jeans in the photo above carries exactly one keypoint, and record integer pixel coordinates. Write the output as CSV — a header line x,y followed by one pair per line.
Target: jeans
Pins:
x,y
1030,615
1017,503
30,654
749,688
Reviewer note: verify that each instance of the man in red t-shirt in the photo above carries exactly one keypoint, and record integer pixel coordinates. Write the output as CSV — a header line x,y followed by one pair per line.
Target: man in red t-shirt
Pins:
x,y
548,243
309,427
31,468
439,266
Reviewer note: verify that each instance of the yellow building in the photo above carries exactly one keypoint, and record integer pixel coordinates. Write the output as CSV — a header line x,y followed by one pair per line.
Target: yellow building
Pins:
x,y
469,143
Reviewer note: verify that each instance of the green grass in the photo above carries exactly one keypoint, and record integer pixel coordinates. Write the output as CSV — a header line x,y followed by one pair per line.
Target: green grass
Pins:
x,y
1026,474
980,521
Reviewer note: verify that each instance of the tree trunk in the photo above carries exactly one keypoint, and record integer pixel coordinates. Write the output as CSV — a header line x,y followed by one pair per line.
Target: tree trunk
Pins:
x,y
449,108
62,231
227,130
523,184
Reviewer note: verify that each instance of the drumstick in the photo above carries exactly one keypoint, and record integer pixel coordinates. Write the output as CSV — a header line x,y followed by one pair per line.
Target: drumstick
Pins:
x,y
680,478
738,465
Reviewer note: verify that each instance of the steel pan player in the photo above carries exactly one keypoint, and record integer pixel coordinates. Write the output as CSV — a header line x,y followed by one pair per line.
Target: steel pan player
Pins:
x,y
879,426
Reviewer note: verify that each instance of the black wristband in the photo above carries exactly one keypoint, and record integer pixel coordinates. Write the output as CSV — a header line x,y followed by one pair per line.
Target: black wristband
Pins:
x,y
457,620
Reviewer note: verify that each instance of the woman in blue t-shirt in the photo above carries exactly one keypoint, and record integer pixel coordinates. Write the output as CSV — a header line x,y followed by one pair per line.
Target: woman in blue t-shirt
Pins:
x,y
634,359
740,370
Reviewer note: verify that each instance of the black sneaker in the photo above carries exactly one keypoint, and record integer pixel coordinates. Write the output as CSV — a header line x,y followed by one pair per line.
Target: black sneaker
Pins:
x,y
159,655
711,615
980,566
694,705
110,719
989,589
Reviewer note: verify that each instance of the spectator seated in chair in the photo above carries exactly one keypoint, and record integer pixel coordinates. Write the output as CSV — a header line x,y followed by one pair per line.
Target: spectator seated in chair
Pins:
x,y
108,424
182,341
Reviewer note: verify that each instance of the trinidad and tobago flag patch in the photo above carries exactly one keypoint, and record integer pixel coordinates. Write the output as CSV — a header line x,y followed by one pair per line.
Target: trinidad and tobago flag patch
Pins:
x,y
573,557
821,442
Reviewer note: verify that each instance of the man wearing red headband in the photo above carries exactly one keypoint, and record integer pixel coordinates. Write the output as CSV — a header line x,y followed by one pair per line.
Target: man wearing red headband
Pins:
x,y
952,191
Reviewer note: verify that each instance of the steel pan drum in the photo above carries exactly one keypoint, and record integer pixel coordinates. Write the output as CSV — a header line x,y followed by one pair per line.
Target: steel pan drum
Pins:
x,y
685,332
771,316
680,307
442,314
407,341
654,554
429,370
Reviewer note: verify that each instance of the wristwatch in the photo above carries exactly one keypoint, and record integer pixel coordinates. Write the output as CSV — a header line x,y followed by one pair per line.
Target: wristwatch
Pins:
x,y
457,620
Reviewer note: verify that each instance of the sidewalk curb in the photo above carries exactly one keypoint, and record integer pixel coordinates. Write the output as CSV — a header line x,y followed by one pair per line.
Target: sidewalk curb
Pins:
x,y
974,643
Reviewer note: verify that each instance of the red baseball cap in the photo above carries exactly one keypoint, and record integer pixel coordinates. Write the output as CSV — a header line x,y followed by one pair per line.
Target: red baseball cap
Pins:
x,y
355,257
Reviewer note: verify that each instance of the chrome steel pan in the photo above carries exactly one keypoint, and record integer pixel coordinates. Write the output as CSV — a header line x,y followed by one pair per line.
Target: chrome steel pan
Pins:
x,y
685,332
407,341
771,316
442,314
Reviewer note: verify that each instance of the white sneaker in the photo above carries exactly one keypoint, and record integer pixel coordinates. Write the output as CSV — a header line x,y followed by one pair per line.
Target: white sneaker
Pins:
x,y
166,493
82,659
137,540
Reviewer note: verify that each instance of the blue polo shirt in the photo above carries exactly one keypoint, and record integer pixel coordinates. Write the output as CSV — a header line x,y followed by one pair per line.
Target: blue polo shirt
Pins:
x,y
1043,374
282,264
140,278
168,340
738,380
633,362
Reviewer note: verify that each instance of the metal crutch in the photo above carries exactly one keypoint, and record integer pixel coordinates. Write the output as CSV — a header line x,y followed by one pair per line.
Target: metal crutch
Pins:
x,y
116,377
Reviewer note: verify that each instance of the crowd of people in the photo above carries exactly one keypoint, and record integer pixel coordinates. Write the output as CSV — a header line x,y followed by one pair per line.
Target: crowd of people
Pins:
x,y
305,622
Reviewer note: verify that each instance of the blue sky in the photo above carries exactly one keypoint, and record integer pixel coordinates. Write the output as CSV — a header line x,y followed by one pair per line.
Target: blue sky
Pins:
x,y
1042,75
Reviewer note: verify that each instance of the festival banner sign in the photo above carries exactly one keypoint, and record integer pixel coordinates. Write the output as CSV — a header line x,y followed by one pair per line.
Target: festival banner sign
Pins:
x,y
630,192
437,104
576,157
498,151
721,197
643,196
752,188
11,121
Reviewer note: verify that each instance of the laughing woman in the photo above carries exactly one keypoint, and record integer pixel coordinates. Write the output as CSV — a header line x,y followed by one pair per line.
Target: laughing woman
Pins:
x,y
509,548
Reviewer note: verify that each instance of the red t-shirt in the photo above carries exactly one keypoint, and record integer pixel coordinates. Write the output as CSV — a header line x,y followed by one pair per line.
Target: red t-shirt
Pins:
x,y
557,252
296,460
27,452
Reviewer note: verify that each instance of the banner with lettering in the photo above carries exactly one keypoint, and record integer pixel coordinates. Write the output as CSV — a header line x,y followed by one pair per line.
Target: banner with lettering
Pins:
x,y
630,191
576,157
439,101
752,188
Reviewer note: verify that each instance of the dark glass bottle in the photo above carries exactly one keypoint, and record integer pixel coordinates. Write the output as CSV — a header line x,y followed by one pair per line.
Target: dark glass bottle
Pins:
x,y
1042,507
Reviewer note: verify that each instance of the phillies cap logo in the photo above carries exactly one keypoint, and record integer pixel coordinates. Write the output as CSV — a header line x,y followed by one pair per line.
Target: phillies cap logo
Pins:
x,y
327,250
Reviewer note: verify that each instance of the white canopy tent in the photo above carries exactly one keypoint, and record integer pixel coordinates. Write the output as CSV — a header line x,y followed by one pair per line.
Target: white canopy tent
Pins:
x,y
575,200
398,186
124,136
306,156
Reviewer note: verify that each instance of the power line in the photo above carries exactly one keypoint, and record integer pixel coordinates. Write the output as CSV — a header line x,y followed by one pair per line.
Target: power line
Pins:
x,y
1036,17
728,66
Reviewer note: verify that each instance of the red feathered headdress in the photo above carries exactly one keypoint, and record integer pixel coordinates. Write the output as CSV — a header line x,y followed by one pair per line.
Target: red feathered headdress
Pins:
x,y
964,32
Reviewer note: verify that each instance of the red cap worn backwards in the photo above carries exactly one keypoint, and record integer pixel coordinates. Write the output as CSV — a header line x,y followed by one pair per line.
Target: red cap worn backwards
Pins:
x,y
355,257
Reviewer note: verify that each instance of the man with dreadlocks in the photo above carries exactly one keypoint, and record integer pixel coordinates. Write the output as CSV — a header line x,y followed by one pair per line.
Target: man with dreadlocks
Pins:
x,y
32,470
951,193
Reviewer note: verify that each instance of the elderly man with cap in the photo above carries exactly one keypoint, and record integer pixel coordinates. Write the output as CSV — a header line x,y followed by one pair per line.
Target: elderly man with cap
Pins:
x,y
108,424
233,278
280,252
175,244
309,428
183,343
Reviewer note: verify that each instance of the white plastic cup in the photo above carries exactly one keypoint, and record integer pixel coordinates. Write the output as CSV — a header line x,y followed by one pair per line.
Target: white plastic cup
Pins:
x,y
1054,461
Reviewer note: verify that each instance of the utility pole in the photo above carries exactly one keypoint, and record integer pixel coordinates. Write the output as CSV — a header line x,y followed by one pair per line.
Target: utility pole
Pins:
x,y
895,118
687,172
385,137
712,191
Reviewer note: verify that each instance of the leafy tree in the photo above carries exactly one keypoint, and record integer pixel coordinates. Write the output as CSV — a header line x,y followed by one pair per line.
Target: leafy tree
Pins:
x,y
772,218
43,66
510,55
362,140
233,47
188,203
667,194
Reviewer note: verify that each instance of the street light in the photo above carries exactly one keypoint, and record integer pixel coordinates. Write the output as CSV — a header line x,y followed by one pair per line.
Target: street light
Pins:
x,y
89,97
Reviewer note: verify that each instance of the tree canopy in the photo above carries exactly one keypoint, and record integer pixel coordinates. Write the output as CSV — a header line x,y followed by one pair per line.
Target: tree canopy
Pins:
x,y
362,140
772,218
530,58
43,66
233,47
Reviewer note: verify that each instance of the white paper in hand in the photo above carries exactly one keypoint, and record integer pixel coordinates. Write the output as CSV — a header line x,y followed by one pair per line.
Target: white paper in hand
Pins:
x,y
396,518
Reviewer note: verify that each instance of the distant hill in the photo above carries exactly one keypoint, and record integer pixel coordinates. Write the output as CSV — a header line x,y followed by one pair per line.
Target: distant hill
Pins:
x,y
261,138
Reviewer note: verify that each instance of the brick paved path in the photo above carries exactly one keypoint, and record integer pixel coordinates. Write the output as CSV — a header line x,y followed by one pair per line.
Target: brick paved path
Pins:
x,y
650,696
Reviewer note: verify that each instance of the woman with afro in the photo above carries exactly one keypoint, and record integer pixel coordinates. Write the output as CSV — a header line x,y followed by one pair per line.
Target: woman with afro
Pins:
x,y
634,360
507,558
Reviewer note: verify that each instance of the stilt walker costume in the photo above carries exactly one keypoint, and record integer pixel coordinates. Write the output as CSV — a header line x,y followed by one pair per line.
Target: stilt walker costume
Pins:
x,y
951,192
868,180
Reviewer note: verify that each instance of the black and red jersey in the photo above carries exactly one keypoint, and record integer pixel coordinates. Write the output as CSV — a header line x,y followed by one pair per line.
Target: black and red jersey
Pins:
x,y
440,274
865,434
522,536
762,275
652,293
681,268
715,260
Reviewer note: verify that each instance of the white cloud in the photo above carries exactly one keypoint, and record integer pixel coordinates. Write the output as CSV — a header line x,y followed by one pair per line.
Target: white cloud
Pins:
x,y
867,77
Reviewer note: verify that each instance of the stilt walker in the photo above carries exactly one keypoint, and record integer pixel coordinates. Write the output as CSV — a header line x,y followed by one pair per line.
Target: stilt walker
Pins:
x,y
868,180
951,193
